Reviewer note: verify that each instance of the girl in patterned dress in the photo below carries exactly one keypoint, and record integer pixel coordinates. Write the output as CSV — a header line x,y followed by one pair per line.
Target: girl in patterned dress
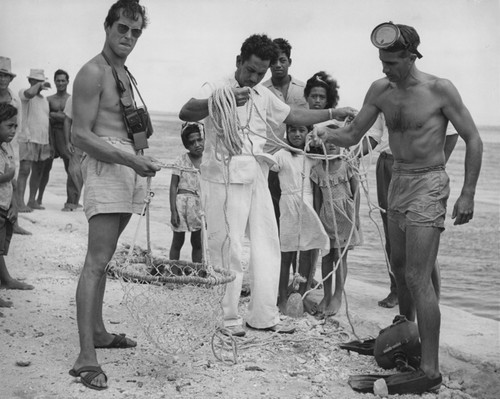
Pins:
x,y
336,191
185,205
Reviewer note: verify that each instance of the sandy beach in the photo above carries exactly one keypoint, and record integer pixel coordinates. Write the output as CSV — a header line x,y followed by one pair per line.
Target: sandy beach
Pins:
x,y
40,341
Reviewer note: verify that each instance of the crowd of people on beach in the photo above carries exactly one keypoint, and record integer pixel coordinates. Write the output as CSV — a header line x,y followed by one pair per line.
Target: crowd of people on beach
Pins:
x,y
42,132
274,162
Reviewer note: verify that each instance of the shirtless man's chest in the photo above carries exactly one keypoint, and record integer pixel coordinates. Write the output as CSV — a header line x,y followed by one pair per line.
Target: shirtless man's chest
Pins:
x,y
109,119
416,123
409,109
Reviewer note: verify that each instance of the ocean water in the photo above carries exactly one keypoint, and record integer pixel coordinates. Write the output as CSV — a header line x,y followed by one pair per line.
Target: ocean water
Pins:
x,y
468,256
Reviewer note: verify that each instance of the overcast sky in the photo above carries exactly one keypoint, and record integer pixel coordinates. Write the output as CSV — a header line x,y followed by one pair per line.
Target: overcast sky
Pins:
x,y
189,42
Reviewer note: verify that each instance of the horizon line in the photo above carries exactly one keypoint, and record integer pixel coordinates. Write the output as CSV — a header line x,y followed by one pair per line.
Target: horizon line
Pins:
x,y
176,113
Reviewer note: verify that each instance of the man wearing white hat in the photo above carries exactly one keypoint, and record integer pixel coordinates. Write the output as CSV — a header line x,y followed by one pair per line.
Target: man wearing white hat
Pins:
x,y
7,96
34,147
6,77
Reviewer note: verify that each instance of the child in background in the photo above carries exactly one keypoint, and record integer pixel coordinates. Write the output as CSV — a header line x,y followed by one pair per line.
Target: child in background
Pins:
x,y
8,204
185,205
300,228
336,196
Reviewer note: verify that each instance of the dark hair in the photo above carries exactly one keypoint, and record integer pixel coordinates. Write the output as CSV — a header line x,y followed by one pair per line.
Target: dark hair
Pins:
x,y
309,127
61,72
7,111
130,9
411,38
261,46
187,129
411,41
283,46
322,79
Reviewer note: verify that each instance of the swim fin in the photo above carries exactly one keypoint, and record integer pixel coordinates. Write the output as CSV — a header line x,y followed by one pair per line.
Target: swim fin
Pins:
x,y
365,347
415,382
364,382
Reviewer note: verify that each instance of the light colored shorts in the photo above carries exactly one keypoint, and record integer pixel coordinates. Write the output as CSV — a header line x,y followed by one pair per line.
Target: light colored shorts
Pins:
x,y
110,187
418,197
35,152
189,210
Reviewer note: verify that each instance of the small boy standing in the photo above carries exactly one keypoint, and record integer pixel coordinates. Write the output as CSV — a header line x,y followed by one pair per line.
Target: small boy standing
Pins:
x,y
185,203
8,204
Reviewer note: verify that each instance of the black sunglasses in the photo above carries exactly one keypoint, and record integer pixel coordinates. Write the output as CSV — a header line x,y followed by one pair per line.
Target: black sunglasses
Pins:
x,y
123,29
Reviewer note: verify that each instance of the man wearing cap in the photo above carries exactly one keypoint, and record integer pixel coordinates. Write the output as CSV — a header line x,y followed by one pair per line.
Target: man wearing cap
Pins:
x,y
6,76
34,147
7,96
417,108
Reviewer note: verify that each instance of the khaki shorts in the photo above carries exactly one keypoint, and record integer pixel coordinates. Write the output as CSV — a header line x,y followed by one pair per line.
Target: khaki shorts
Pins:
x,y
418,197
35,152
110,187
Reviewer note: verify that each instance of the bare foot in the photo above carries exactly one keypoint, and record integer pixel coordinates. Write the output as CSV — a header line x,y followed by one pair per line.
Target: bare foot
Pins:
x,y
19,230
333,306
310,306
25,209
390,301
35,205
16,285
5,304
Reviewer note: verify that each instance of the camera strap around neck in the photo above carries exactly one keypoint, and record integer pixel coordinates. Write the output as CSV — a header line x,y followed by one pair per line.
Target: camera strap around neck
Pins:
x,y
128,107
126,98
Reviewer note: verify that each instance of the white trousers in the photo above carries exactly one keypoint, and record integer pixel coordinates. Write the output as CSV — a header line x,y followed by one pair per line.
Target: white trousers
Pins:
x,y
233,211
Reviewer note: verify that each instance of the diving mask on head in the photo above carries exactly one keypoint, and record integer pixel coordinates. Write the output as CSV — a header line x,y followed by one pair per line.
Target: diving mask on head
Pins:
x,y
387,36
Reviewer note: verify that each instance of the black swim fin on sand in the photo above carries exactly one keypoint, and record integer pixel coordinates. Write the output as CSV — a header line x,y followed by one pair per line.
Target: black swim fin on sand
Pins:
x,y
365,347
364,382
415,382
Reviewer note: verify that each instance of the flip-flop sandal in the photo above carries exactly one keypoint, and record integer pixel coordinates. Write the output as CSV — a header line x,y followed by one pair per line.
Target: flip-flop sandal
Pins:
x,y
92,373
119,342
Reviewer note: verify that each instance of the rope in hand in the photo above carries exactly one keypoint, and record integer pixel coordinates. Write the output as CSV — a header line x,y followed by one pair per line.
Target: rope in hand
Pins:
x,y
222,110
